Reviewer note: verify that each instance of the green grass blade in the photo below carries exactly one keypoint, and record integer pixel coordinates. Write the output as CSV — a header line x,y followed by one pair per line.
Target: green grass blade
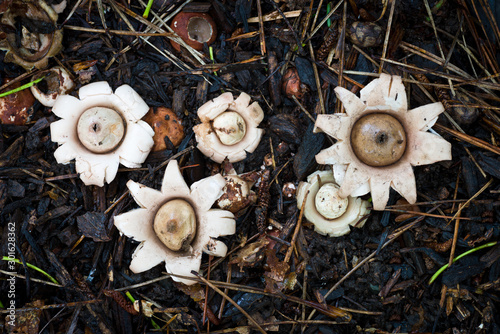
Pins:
x,y
28,85
5,258
443,268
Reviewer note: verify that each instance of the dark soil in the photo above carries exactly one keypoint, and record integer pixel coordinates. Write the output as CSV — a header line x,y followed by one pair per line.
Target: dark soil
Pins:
x,y
66,228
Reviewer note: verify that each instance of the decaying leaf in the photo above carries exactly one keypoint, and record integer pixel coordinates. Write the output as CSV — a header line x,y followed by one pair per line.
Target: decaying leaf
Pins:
x,y
251,254
25,321
92,225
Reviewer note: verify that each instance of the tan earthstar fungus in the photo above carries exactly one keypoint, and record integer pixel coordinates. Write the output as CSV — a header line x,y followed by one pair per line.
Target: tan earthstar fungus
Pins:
x,y
176,224
229,127
379,140
330,214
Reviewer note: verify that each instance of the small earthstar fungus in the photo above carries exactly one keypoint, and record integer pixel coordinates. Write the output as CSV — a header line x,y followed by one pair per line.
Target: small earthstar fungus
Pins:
x,y
176,224
331,214
56,82
229,127
100,130
237,193
31,34
379,140
194,29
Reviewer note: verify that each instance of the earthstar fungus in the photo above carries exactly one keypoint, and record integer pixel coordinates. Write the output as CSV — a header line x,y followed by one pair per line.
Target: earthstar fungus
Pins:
x,y
57,81
39,39
379,140
176,224
100,130
330,214
194,29
229,127
237,193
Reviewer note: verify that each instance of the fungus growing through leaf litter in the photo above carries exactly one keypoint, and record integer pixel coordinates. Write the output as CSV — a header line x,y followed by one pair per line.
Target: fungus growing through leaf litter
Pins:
x,y
331,214
237,193
194,29
229,127
379,140
39,39
176,224
101,130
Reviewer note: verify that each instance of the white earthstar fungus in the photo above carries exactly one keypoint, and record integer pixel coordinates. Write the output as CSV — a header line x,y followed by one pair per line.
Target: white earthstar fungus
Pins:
x,y
100,130
379,140
229,127
330,214
176,224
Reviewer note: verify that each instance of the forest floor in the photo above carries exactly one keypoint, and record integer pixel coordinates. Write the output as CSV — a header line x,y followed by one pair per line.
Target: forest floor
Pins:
x,y
72,272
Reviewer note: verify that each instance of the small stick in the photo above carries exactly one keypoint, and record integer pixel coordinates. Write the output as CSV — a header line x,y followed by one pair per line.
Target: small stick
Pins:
x,y
120,32
324,20
274,16
423,214
228,280
316,77
470,139
455,236
296,232
387,34
261,30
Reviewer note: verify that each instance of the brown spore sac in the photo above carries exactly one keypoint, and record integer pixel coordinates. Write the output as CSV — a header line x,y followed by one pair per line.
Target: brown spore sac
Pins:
x,y
378,139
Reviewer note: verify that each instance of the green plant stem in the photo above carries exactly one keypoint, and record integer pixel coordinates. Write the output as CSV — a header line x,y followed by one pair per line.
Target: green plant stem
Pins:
x,y
328,9
148,9
28,85
29,265
443,268
132,299
436,7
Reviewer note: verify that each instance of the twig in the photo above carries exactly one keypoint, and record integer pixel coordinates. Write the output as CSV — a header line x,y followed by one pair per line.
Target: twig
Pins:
x,y
429,12
387,34
303,109
316,77
262,36
423,214
120,32
470,139
296,231
274,16
324,20
455,236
